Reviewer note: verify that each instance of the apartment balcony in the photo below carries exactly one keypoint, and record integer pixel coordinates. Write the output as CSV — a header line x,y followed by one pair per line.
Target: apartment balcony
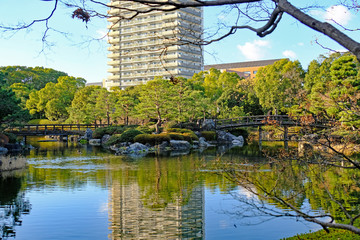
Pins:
x,y
114,48
114,55
114,19
110,84
113,33
114,41
113,70
114,77
114,63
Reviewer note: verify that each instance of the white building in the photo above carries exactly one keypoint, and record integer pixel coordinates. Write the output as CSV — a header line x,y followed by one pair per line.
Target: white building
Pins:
x,y
158,43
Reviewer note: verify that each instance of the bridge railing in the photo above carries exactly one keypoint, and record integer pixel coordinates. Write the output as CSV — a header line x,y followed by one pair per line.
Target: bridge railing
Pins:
x,y
271,120
55,127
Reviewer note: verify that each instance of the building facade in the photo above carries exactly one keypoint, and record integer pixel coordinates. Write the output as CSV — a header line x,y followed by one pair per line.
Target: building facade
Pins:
x,y
157,43
243,69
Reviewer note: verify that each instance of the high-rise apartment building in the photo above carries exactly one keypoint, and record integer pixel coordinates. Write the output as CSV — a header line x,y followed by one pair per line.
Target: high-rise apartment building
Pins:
x,y
157,43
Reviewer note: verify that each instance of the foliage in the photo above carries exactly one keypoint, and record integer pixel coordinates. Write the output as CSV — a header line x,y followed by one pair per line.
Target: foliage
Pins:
x,y
100,132
129,135
176,136
82,106
334,234
209,135
10,110
152,139
179,130
54,99
156,101
12,137
114,139
145,129
278,86
32,78
42,121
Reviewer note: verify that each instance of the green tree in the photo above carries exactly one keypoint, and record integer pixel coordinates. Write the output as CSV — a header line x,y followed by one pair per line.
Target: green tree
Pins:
x,y
277,86
157,101
54,99
126,100
82,106
104,104
34,78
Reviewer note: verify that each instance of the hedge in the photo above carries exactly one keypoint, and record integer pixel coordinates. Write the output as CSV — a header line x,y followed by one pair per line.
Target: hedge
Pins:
x,y
209,135
152,139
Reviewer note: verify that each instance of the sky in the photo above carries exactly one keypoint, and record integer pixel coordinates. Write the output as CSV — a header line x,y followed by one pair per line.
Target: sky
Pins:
x,y
82,52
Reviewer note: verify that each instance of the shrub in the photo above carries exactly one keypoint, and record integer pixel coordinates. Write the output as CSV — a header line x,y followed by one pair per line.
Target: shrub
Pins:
x,y
129,135
209,135
100,132
42,121
176,136
12,137
152,139
114,139
190,137
145,129
179,130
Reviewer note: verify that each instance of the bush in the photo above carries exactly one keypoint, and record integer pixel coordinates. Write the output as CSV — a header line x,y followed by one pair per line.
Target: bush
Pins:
x,y
176,136
179,130
209,135
114,139
145,129
12,137
42,121
152,139
100,132
190,137
129,135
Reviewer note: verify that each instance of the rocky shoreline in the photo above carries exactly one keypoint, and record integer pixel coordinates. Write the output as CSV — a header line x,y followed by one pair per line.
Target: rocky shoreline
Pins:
x,y
137,149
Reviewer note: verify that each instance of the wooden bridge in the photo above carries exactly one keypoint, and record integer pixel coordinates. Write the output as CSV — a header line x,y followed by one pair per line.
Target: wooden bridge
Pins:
x,y
263,120
53,129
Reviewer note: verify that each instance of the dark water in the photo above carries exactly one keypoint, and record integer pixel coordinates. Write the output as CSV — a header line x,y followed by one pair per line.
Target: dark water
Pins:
x,y
82,192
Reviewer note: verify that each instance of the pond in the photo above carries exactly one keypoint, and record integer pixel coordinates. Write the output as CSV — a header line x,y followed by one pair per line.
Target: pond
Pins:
x,y
84,192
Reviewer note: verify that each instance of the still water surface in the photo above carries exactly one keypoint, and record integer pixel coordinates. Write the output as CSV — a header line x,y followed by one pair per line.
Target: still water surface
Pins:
x,y
82,192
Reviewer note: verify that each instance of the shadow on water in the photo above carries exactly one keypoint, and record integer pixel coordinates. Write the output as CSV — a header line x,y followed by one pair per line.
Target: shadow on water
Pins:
x,y
13,203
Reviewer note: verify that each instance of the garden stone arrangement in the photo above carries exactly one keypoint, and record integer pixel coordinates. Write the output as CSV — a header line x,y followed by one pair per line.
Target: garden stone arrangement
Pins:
x,y
139,141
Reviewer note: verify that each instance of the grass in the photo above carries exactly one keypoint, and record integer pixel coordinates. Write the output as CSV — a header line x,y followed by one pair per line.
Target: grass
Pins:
x,y
334,234
8,163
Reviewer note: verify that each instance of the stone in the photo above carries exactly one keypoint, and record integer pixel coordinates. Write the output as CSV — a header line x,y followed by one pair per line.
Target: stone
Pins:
x,y
228,138
3,150
105,138
208,124
305,149
95,142
137,148
180,145
88,134
203,143
163,145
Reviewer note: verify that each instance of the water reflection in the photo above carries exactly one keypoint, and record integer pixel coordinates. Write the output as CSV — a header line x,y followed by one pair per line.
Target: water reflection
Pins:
x,y
12,203
155,197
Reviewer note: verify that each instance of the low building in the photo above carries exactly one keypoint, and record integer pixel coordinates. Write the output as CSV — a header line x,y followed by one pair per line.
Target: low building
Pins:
x,y
243,69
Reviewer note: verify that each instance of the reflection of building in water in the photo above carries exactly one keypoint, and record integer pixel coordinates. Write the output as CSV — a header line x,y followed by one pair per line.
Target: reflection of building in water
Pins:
x,y
130,219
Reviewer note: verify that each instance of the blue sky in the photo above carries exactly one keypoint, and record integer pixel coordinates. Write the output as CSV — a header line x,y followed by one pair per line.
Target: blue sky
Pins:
x,y
79,57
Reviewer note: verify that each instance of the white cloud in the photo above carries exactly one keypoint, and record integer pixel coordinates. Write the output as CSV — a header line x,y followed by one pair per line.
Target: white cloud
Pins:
x,y
339,14
289,54
255,50
300,44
